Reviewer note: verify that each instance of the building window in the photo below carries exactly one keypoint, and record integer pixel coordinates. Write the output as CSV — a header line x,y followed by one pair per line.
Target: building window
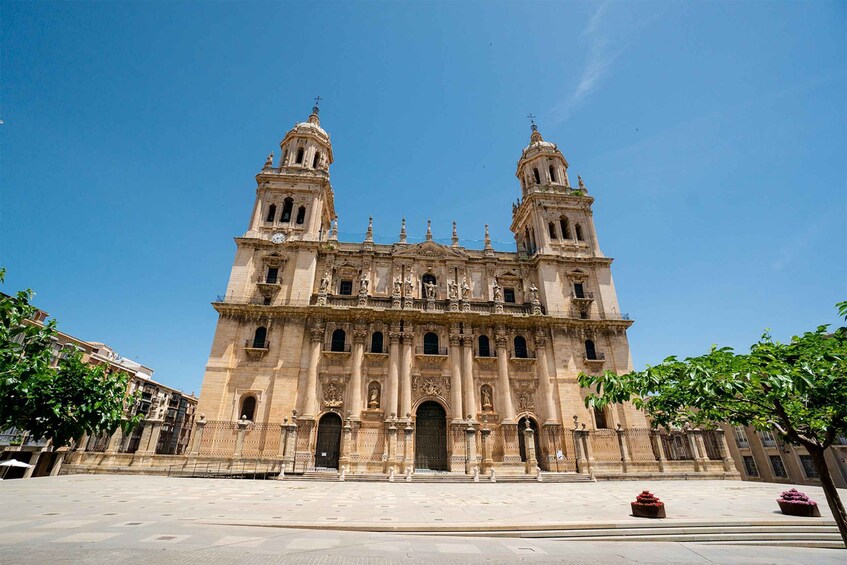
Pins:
x,y
248,408
509,295
520,347
273,273
566,229
376,342
316,160
260,338
284,161
600,418
338,339
750,466
578,290
767,438
552,172
345,288
271,213
741,437
537,176
808,467
299,159
551,228
287,206
484,346
590,350
777,466
430,343
578,230
301,214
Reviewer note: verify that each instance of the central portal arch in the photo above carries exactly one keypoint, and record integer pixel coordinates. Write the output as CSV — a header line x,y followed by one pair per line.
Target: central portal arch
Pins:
x,y
431,437
329,441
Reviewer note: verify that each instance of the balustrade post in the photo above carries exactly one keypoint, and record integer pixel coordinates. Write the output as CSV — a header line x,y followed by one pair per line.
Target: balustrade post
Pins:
x,y
726,456
658,446
288,454
471,462
392,444
239,439
625,459
589,450
197,440
346,438
692,435
115,441
529,446
408,456
485,433
579,452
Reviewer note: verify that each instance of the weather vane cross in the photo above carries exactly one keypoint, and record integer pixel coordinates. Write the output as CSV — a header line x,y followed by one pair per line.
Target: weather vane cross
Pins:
x,y
532,118
318,100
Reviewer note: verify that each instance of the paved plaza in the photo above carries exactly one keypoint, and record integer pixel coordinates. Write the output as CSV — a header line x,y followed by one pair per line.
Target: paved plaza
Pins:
x,y
127,519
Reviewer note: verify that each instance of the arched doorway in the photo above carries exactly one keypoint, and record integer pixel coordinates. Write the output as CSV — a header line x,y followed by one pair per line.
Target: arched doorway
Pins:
x,y
522,441
329,441
431,437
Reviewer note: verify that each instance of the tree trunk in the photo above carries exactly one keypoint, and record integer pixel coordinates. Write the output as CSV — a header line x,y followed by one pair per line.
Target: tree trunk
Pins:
x,y
829,490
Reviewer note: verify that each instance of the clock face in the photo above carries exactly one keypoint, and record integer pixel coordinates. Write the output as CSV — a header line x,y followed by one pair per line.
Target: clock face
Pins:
x,y
278,238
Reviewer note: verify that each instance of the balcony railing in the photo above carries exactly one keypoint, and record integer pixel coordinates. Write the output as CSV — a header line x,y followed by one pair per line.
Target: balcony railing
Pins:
x,y
337,348
431,351
585,295
253,344
599,356
523,354
487,354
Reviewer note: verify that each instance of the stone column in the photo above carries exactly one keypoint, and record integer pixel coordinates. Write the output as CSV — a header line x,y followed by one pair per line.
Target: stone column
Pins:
x,y
485,438
346,440
506,408
310,403
197,440
392,444
470,459
82,444
656,437
726,457
239,439
625,459
409,455
393,370
529,444
355,407
289,446
579,452
698,448
543,373
406,372
456,376
467,375
588,448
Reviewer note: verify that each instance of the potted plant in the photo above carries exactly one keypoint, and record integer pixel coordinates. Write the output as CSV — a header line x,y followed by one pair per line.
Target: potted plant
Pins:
x,y
648,506
795,503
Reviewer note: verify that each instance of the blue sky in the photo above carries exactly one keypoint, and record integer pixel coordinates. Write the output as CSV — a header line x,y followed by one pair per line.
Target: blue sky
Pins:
x,y
712,135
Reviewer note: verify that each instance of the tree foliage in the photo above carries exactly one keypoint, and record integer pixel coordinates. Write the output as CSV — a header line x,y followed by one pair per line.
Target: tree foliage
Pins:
x,y
61,403
798,388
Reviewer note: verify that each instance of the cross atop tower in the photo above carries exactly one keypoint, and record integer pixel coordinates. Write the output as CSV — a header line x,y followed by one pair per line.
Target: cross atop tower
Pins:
x,y
317,102
532,121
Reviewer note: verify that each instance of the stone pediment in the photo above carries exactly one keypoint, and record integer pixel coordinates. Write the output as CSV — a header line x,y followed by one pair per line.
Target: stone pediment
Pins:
x,y
431,249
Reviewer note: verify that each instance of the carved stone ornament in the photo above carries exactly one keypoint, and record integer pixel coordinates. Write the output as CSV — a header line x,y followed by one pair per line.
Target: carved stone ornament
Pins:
x,y
525,393
333,387
431,386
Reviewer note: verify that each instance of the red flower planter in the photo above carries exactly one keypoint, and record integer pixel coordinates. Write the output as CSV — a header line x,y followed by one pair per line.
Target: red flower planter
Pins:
x,y
795,503
648,506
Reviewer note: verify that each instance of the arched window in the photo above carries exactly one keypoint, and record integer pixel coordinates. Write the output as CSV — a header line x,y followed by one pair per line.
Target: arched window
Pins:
x,y
431,343
300,153
248,408
537,176
520,347
338,339
316,160
260,338
284,161
566,229
271,213
376,342
551,227
600,418
578,230
590,350
301,214
287,206
484,346
552,172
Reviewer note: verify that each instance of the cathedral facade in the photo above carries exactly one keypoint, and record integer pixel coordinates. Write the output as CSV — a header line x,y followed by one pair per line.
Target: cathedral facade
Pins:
x,y
413,357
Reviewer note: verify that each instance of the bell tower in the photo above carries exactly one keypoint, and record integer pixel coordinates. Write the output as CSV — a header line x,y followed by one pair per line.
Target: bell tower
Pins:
x,y
294,201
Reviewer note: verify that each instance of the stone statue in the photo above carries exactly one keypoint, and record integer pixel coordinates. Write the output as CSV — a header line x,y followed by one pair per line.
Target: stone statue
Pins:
x,y
465,288
452,290
373,398
533,293
409,286
397,286
325,282
363,283
269,162
430,290
486,398
498,293
581,184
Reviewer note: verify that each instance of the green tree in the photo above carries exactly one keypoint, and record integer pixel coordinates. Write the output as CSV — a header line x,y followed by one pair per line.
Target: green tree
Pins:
x,y
798,388
60,403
